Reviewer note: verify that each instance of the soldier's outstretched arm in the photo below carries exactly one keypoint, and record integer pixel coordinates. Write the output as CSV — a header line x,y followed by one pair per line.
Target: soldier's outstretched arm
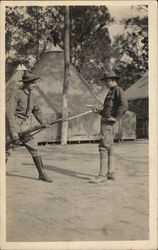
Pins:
x,y
94,108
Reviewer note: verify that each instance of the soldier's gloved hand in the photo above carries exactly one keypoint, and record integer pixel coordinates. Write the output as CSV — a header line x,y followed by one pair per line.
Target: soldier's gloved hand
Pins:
x,y
95,109
15,136
111,119
46,124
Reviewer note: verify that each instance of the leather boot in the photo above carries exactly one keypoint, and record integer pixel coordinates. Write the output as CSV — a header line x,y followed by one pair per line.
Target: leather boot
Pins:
x,y
39,165
103,162
101,178
111,163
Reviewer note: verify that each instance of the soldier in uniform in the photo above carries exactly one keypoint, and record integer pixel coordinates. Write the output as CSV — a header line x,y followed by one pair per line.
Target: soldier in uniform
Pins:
x,y
22,104
115,105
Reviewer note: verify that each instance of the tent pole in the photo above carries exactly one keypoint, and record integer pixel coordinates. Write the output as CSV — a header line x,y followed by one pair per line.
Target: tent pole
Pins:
x,y
64,128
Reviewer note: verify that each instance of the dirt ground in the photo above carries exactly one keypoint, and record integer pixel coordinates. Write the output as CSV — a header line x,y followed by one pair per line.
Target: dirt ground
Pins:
x,y
72,209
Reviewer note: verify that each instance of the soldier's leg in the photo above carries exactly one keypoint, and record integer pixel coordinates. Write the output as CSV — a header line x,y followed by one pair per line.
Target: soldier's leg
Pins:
x,y
33,150
111,155
106,139
41,170
103,153
111,164
103,161
11,146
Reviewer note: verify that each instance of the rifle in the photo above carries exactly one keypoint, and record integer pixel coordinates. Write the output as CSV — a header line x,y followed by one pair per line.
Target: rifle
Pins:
x,y
39,128
93,107
90,105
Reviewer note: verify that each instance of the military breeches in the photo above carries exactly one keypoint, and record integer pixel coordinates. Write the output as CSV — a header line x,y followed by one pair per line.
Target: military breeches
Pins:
x,y
28,141
107,134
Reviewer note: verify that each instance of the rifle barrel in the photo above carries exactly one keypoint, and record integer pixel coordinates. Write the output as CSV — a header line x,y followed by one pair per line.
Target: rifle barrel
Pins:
x,y
39,128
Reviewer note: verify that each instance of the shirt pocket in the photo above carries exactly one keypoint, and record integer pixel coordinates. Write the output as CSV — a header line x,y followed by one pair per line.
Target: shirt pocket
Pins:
x,y
109,101
22,104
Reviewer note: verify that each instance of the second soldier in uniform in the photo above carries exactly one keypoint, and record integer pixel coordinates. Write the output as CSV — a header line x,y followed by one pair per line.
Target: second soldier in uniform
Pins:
x,y
115,105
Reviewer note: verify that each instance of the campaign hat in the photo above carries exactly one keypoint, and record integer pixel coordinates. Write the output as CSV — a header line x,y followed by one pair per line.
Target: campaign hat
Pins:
x,y
28,77
109,75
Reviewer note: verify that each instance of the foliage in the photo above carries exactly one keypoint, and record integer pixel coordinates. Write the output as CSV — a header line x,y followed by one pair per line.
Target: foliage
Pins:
x,y
91,50
27,29
130,51
90,40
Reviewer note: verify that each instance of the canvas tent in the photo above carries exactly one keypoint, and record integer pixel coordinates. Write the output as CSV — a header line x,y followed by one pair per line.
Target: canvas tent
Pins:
x,y
11,85
137,96
50,69
13,82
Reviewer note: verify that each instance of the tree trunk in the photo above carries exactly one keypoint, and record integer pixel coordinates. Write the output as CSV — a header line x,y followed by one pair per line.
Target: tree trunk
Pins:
x,y
64,130
37,26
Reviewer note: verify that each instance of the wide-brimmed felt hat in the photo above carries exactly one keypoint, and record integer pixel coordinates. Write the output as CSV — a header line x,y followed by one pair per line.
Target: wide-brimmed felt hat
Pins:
x,y
28,77
109,75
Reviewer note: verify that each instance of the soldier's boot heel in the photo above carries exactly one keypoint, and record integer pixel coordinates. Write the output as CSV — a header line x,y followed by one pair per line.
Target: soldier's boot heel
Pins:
x,y
110,176
44,177
39,165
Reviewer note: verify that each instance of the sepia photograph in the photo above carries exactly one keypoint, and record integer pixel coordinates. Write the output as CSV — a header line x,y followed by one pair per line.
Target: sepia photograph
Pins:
x,y
79,139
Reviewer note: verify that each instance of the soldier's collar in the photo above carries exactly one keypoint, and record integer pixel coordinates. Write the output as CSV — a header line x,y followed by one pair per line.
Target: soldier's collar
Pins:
x,y
26,91
113,85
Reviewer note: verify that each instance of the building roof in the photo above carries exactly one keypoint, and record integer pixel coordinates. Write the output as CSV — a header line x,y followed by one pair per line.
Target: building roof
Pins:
x,y
138,90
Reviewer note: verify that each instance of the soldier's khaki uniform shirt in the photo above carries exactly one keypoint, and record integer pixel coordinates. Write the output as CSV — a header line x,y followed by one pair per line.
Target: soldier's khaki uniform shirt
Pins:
x,y
115,105
18,110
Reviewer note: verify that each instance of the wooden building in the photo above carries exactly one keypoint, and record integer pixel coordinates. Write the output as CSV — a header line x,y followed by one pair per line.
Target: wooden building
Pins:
x,y
138,101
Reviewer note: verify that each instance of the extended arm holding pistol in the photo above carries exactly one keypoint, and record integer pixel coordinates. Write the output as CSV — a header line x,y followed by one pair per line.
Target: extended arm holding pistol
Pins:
x,y
95,109
98,110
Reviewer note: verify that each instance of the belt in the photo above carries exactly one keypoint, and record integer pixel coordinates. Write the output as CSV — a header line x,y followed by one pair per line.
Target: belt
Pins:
x,y
23,117
108,119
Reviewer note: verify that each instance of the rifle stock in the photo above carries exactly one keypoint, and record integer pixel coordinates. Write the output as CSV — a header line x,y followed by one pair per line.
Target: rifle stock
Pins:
x,y
40,127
